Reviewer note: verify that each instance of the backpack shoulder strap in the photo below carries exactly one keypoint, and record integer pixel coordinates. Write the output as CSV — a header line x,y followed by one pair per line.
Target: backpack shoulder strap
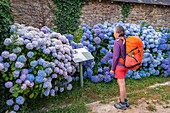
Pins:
x,y
122,38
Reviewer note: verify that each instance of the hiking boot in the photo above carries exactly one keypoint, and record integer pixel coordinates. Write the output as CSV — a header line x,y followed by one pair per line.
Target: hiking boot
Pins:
x,y
127,103
120,105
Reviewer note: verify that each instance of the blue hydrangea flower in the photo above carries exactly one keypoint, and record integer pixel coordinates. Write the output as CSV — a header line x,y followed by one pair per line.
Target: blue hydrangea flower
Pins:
x,y
107,78
6,65
69,37
46,92
17,50
22,59
30,54
30,77
41,73
48,70
95,78
20,100
39,79
34,63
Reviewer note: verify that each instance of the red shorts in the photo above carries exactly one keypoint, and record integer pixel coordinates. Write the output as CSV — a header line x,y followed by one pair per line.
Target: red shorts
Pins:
x,y
120,72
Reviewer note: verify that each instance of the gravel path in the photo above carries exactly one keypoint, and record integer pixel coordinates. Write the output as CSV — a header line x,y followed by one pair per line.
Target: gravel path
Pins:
x,y
144,106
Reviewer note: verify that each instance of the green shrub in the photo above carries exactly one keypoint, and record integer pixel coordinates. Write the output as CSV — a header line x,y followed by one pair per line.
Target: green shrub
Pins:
x,y
5,21
67,15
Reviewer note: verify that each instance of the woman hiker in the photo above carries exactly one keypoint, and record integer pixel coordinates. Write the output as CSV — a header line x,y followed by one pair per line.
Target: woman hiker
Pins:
x,y
118,68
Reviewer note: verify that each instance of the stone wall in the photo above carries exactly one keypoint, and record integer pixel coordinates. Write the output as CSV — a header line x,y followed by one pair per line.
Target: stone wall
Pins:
x,y
37,13
32,12
98,12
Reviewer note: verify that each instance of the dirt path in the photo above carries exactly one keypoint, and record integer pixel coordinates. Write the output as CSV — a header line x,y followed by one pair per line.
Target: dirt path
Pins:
x,y
144,106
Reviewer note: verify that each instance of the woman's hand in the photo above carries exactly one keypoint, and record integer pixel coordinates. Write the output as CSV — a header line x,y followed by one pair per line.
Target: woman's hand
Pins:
x,y
111,72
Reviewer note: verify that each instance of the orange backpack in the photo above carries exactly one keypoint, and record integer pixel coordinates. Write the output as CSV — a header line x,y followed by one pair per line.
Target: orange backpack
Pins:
x,y
134,53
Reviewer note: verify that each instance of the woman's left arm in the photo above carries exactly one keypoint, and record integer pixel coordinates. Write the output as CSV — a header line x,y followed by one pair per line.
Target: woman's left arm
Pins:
x,y
116,55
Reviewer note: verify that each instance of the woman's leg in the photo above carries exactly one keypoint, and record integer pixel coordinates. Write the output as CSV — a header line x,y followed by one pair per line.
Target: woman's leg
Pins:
x,y
122,88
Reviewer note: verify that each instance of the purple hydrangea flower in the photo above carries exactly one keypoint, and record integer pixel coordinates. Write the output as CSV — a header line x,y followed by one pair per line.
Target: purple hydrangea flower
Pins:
x,y
31,84
97,40
16,107
7,41
20,100
26,41
5,54
46,51
18,81
1,59
27,82
61,89
69,87
29,46
54,75
24,86
1,66
8,84
56,88
19,65
16,73
19,41
52,92
23,77
12,57
12,112
35,44
9,102
69,78
24,71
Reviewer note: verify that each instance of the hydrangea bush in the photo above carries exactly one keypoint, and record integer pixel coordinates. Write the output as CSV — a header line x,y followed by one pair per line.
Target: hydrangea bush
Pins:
x,y
99,41
35,62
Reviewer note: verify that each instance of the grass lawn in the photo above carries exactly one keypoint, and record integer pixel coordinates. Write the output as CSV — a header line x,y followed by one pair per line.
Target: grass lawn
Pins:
x,y
74,101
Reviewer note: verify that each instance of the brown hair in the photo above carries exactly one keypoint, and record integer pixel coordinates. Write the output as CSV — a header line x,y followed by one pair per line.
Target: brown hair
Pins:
x,y
120,30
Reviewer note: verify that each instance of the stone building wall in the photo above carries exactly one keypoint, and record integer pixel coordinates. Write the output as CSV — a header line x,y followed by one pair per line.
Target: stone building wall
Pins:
x,y
32,12
37,13
98,12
